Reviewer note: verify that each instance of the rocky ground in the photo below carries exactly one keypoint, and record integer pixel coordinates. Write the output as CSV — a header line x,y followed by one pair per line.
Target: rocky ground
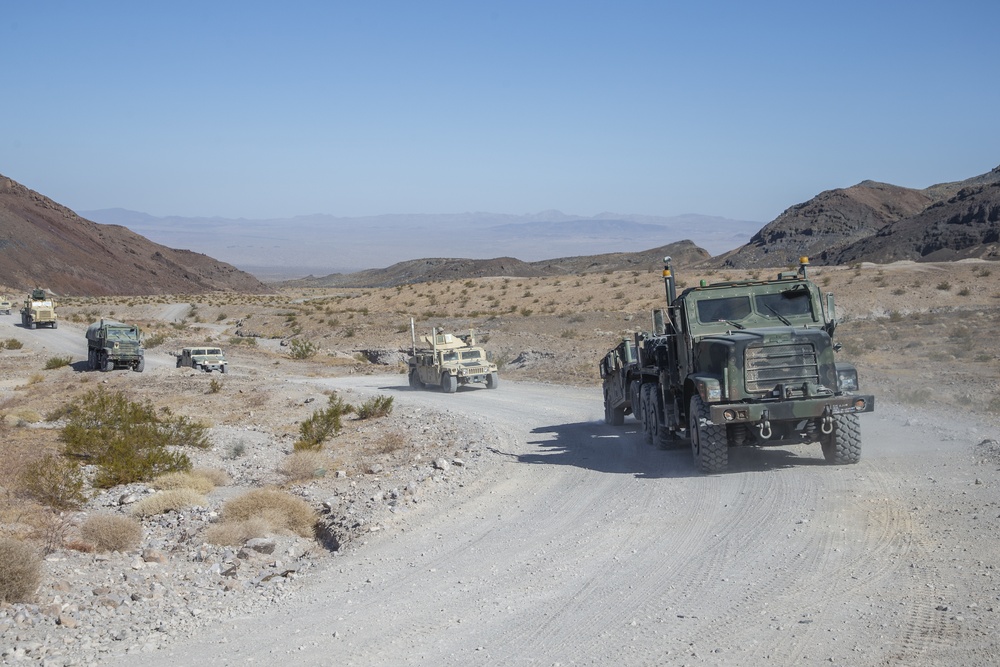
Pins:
x,y
922,336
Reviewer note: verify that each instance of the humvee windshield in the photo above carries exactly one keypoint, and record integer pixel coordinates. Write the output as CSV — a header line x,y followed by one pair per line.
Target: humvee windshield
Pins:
x,y
450,356
471,355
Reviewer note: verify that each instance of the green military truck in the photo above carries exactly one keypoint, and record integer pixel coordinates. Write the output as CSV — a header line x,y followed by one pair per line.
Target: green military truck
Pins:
x,y
739,363
448,361
112,345
38,311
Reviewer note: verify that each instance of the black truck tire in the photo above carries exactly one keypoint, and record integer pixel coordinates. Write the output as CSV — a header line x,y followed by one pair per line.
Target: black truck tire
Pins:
x,y
449,383
141,366
709,446
493,380
843,445
108,364
612,416
415,382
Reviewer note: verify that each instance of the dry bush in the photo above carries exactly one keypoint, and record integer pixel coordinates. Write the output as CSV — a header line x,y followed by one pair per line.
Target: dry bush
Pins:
x,y
166,501
184,480
20,571
236,533
281,511
217,476
111,532
55,481
304,465
389,442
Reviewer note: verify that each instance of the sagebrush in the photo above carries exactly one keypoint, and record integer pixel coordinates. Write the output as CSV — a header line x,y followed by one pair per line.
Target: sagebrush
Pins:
x,y
281,511
54,481
323,424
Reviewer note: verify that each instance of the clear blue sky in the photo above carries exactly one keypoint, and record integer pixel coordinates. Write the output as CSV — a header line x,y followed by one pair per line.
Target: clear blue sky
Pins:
x,y
275,109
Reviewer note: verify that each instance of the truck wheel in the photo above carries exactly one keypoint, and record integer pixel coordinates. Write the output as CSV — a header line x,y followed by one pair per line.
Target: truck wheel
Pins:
x,y
709,446
32,325
646,399
415,382
139,367
449,384
492,380
222,370
843,445
109,365
633,399
55,325
612,416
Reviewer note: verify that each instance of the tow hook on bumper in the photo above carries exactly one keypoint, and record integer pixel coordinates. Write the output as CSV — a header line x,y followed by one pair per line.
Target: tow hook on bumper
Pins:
x,y
826,423
764,425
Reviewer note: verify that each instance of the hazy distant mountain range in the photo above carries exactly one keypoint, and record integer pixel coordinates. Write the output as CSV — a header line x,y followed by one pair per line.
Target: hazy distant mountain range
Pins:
x,y
275,249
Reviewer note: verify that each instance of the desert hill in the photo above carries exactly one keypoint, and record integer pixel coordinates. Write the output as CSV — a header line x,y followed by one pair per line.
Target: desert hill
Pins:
x,y
684,253
881,223
45,244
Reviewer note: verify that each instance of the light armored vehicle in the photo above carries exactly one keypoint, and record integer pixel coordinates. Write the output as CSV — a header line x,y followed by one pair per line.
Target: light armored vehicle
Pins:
x,y
38,311
5,305
739,363
448,361
207,359
112,345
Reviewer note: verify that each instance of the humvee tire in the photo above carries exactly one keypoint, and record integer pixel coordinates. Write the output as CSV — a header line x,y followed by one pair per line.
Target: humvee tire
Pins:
x,y
449,384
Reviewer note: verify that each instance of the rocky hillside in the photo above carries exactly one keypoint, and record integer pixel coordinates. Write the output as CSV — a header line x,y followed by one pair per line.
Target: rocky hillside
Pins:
x,y
684,253
878,222
47,245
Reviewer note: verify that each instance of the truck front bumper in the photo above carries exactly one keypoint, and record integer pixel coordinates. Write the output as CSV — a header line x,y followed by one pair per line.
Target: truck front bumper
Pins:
x,y
806,408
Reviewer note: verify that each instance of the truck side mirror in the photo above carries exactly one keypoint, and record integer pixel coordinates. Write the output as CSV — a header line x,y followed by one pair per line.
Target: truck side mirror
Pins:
x,y
659,325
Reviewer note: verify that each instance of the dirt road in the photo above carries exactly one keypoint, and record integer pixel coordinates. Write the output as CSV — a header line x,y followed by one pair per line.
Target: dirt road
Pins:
x,y
579,545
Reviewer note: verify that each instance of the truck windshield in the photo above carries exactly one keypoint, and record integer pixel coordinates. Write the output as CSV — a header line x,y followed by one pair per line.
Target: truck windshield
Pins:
x,y
789,303
471,355
724,309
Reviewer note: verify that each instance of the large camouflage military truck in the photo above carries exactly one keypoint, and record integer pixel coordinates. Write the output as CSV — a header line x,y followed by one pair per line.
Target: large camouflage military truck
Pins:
x,y
204,358
38,311
112,345
447,361
739,363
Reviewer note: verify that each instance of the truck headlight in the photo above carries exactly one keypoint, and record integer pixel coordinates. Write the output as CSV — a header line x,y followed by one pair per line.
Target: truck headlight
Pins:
x,y
847,379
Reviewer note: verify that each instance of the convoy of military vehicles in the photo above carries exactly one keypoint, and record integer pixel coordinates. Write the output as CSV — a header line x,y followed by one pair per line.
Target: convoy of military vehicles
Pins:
x,y
726,364
447,361
738,363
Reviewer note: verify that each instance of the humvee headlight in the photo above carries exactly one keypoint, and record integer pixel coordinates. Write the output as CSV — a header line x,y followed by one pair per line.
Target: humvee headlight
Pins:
x,y
847,379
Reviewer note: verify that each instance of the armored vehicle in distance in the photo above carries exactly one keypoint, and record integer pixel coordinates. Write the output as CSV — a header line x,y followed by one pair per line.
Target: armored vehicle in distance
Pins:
x,y
38,311
203,358
5,305
112,345
448,361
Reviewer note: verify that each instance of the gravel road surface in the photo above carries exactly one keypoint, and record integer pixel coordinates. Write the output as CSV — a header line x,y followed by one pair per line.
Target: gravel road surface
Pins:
x,y
576,544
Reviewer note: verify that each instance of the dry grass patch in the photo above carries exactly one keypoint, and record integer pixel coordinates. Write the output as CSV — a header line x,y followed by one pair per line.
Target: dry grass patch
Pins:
x,y
20,571
304,465
167,501
282,512
111,532
237,533
194,480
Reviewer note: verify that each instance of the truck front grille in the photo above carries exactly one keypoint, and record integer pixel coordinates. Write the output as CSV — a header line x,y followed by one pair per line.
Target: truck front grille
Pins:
x,y
770,365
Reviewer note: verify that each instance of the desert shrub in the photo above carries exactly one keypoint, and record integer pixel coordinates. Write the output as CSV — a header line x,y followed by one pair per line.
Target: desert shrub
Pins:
x,y
243,340
13,344
171,500
323,424
20,571
304,465
154,340
111,532
214,386
390,442
944,286
299,348
54,481
236,533
58,362
126,439
965,291
183,480
281,511
217,476
379,406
